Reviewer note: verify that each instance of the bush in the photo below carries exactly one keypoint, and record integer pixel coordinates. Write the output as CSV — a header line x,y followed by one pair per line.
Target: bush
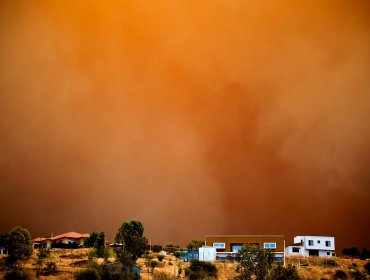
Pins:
x,y
340,275
280,272
17,274
50,269
87,274
160,257
157,248
357,274
43,253
367,267
200,270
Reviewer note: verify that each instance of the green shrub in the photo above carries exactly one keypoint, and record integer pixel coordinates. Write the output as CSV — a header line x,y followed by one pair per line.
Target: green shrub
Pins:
x,y
340,275
200,270
357,275
157,248
50,269
160,257
17,274
280,272
87,274
367,267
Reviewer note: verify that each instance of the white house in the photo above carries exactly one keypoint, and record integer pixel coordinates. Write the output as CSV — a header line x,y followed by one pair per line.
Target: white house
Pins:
x,y
322,246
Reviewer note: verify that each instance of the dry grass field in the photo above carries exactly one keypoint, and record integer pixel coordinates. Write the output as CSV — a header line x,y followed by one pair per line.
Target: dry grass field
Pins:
x,y
70,261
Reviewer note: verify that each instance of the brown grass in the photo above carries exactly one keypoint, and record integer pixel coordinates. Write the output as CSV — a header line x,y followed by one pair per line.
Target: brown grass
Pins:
x,y
70,261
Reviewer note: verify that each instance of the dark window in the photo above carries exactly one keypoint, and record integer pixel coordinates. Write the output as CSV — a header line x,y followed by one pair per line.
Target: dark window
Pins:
x,y
328,253
295,250
327,243
318,241
310,242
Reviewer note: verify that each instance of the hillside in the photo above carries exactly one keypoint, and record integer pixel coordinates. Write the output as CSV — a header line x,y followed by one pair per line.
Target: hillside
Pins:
x,y
70,261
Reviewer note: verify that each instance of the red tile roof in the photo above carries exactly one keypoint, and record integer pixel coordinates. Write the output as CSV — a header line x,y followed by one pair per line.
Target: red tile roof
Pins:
x,y
40,239
70,235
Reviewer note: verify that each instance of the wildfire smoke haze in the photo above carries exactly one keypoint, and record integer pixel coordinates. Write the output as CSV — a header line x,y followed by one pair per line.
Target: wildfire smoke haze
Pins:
x,y
197,117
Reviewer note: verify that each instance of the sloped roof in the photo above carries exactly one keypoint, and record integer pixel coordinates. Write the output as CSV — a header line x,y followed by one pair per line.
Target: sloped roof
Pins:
x,y
71,234
40,239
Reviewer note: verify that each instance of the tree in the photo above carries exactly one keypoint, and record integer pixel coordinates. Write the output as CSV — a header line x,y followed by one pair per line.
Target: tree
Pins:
x,y
90,241
18,244
279,272
195,244
367,267
253,261
100,246
365,254
157,248
133,245
3,238
153,264
171,248
351,252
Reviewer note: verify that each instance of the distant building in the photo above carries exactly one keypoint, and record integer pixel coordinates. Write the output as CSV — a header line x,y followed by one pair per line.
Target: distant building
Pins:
x,y
322,246
62,240
227,245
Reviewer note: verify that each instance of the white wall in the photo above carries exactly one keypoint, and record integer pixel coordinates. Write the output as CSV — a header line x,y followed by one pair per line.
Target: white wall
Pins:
x,y
207,254
319,243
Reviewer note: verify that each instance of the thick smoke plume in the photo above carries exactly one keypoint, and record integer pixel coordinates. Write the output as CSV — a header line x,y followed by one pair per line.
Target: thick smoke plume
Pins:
x,y
197,117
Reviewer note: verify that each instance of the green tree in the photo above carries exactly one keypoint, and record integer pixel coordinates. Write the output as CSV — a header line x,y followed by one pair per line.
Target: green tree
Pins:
x,y
18,244
365,254
171,248
100,246
153,264
157,248
132,245
367,267
3,238
90,241
279,272
195,244
253,261
351,252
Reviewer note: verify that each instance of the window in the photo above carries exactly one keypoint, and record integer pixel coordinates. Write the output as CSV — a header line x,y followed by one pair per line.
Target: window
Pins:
x,y
269,245
327,243
310,242
295,250
328,253
236,247
219,245
318,241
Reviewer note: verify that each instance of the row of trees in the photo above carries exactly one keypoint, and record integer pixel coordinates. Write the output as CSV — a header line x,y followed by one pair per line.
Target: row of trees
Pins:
x,y
354,252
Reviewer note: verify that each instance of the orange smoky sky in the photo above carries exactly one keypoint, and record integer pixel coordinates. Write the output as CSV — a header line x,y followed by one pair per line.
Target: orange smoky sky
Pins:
x,y
196,117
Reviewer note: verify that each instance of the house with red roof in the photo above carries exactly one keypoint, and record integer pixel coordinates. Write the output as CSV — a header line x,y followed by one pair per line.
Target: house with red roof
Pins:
x,y
69,239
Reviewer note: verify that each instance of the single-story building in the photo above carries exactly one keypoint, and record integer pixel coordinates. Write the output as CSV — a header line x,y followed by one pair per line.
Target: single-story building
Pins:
x,y
62,240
